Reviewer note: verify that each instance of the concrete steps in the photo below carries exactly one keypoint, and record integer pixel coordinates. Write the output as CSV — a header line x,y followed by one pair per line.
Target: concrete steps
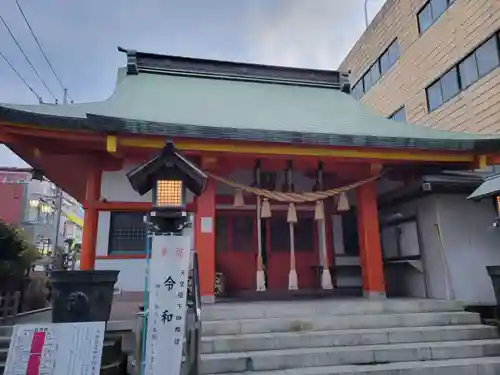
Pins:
x,y
314,339
325,322
464,366
347,337
259,310
344,355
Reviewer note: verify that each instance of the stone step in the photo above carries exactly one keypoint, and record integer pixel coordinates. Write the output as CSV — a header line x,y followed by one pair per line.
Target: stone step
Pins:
x,y
323,322
462,366
349,355
4,342
257,310
312,339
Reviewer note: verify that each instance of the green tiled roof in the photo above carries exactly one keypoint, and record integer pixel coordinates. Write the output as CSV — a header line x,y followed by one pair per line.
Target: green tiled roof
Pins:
x,y
185,104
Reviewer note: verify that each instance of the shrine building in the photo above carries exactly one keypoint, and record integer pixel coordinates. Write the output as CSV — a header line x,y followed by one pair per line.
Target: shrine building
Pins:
x,y
296,168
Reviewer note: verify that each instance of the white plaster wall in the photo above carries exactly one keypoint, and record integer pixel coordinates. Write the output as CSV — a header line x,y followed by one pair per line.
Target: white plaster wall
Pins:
x,y
457,269
115,187
102,240
432,282
470,243
132,272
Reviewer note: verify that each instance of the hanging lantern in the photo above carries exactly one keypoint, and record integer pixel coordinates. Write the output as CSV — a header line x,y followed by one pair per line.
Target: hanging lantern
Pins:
x,y
319,211
265,212
292,214
343,203
239,201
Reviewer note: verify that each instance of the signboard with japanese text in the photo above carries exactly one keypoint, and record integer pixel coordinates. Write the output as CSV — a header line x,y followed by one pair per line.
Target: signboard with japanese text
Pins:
x,y
168,274
56,349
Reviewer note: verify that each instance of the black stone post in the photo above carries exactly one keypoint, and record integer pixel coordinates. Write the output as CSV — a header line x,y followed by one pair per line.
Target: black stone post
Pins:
x,y
82,296
494,272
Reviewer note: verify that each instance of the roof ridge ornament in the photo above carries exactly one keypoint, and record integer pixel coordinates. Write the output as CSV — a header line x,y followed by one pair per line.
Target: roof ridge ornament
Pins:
x,y
131,60
345,85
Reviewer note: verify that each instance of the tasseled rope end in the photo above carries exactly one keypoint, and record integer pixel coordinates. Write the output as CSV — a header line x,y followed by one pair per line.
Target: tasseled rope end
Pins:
x,y
343,204
326,279
292,280
239,201
261,276
292,214
319,211
265,212
261,281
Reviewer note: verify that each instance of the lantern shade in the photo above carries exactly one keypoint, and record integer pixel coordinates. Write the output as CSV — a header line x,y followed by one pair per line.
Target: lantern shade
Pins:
x,y
168,193
165,166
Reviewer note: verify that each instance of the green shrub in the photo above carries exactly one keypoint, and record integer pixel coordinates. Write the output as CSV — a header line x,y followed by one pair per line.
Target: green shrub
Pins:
x,y
16,253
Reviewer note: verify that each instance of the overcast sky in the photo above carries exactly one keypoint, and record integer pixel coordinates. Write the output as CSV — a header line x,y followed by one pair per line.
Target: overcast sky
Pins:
x,y
80,39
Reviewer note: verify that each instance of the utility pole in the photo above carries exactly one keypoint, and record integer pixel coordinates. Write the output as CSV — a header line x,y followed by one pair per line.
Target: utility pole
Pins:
x,y
366,13
59,205
65,97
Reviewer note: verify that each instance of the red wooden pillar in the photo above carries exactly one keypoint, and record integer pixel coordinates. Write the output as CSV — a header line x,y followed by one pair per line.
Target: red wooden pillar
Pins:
x,y
89,235
204,240
369,241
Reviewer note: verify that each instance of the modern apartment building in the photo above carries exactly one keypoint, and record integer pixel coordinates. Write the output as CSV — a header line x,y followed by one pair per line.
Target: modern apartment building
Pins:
x,y
32,205
431,62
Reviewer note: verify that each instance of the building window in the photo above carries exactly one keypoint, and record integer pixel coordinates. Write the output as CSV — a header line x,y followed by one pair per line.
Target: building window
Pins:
x,y
235,232
449,84
430,12
393,52
487,56
381,66
367,81
358,90
399,115
127,233
375,73
385,64
434,96
469,70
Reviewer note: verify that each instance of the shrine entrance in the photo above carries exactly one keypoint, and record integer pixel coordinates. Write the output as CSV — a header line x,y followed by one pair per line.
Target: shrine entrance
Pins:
x,y
309,243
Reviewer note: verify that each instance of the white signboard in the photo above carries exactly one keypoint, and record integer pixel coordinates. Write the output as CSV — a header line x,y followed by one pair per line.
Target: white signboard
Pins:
x,y
56,349
206,225
168,275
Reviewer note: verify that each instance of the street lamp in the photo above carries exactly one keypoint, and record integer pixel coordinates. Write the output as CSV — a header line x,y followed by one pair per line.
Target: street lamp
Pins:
x,y
34,203
169,175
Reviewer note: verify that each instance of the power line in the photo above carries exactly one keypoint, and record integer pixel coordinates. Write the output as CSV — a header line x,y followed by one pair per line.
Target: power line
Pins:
x,y
21,78
40,46
26,57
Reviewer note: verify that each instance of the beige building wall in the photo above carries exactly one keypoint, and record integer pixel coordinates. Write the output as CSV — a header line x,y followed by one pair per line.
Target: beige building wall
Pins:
x,y
424,57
